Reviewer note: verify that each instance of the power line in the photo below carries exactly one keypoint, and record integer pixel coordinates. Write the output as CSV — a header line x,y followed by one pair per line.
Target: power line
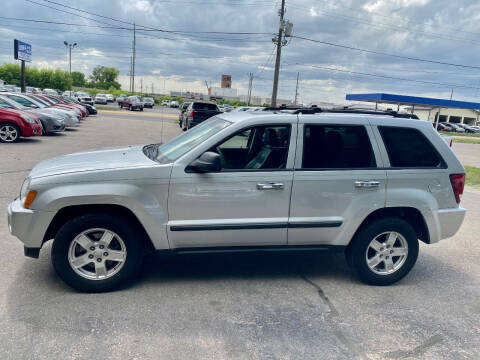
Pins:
x,y
386,54
387,77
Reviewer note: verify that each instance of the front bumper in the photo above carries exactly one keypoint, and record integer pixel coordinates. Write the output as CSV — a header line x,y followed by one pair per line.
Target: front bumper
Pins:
x,y
29,226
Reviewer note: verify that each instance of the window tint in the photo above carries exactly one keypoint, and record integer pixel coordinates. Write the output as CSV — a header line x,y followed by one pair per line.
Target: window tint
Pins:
x,y
409,148
337,147
204,106
260,147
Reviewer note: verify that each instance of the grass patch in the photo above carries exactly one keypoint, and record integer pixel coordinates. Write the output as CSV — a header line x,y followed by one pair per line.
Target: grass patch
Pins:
x,y
472,176
460,134
465,141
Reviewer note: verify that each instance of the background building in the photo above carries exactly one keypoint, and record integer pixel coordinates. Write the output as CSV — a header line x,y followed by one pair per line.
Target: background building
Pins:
x,y
226,81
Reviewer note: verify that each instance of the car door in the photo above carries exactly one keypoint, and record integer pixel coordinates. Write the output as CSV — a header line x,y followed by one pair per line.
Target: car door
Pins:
x,y
247,202
338,180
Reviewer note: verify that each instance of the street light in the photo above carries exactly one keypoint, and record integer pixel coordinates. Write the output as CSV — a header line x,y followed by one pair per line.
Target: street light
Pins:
x,y
70,47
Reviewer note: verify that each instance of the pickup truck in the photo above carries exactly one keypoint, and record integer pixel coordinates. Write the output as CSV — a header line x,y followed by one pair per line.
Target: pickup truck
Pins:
x,y
198,112
131,103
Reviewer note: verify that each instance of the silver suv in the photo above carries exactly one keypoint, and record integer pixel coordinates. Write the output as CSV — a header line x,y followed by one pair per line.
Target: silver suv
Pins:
x,y
370,185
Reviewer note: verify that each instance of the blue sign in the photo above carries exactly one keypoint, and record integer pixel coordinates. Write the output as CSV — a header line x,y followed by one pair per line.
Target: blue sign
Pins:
x,y
22,51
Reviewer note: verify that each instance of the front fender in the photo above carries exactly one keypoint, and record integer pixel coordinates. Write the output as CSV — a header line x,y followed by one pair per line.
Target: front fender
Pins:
x,y
150,210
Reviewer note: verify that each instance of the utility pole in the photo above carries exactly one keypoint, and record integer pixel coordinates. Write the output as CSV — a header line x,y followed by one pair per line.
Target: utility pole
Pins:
x,y
70,47
279,54
130,74
296,89
451,94
133,57
250,83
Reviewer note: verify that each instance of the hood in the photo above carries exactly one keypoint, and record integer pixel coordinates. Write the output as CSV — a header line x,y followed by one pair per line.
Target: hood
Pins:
x,y
116,158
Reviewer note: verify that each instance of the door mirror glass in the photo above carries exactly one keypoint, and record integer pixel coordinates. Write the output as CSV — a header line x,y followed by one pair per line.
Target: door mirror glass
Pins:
x,y
208,162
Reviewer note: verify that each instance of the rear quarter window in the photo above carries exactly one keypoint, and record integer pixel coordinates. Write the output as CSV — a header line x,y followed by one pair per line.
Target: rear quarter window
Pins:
x,y
409,148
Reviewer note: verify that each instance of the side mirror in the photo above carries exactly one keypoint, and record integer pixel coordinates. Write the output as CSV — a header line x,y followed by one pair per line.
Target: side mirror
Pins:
x,y
208,162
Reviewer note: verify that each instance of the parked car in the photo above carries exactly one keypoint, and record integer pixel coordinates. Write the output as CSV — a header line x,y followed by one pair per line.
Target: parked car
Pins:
x,y
91,110
148,102
165,102
15,124
59,100
83,98
121,97
174,104
131,103
51,123
225,108
181,116
453,127
229,184
29,90
468,128
68,117
54,102
198,112
101,99
49,92
110,98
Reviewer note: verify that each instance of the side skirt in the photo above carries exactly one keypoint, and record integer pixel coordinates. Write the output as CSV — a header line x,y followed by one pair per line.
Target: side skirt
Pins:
x,y
244,249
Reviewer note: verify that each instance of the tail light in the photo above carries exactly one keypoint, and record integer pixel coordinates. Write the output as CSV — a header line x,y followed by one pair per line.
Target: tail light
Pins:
x,y
458,182
191,114
451,142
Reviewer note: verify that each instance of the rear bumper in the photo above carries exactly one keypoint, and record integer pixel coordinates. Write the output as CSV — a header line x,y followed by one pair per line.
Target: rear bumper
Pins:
x,y
27,225
445,223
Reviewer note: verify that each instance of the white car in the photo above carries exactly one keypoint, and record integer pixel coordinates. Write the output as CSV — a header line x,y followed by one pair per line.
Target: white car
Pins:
x,y
372,186
49,92
165,102
110,98
101,99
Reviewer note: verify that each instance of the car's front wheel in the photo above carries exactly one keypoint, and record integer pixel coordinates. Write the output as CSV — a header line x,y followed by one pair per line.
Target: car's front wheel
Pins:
x,y
9,133
384,251
97,252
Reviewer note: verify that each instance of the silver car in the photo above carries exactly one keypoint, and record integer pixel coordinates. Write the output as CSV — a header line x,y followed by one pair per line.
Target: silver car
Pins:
x,y
249,182
69,118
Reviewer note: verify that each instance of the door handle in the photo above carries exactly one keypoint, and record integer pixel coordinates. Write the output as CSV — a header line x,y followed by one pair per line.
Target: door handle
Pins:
x,y
367,184
270,186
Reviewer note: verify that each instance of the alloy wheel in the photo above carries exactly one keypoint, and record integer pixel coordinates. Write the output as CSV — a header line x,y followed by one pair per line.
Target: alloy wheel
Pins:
x,y
387,253
8,133
97,254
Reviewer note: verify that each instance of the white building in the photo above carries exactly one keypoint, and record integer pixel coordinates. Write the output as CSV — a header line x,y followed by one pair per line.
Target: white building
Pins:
x,y
222,92
453,115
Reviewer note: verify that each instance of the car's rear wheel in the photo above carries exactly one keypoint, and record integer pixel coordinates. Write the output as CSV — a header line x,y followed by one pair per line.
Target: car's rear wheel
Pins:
x,y
384,251
97,252
9,133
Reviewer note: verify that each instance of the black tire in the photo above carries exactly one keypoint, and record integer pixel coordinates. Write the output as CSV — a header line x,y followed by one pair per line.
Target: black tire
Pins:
x,y
141,109
125,230
356,252
18,132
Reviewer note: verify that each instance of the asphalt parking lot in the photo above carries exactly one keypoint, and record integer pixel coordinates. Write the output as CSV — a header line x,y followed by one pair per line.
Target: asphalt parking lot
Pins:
x,y
252,306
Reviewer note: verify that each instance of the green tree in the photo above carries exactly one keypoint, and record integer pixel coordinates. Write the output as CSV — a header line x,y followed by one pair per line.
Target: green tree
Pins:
x,y
45,78
104,77
78,79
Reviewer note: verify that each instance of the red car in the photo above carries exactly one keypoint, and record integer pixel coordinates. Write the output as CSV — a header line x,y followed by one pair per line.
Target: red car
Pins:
x,y
57,103
65,102
16,123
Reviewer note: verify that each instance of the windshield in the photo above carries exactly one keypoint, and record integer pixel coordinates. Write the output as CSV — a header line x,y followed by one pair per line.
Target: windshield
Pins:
x,y
13,104
172,150
53,100
39,102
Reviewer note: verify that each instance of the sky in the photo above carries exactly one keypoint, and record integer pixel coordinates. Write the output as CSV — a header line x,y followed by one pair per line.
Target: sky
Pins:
x,y
198,51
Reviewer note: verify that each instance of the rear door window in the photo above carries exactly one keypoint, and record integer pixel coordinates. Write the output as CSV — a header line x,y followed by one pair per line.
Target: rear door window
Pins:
x,y
409,148
337,147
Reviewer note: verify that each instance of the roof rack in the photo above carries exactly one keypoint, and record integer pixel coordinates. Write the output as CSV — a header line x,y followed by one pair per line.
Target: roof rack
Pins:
x,y
343,110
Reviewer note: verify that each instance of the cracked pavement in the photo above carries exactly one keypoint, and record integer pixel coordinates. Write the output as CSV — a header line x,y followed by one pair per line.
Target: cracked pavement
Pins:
x,y
235,306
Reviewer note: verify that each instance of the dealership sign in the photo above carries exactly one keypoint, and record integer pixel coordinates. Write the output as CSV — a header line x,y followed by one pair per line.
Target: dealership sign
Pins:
x,y
22,51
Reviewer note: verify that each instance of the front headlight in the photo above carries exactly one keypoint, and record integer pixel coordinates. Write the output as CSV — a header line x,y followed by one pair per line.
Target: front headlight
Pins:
x,y
26,195
24,190
28,119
